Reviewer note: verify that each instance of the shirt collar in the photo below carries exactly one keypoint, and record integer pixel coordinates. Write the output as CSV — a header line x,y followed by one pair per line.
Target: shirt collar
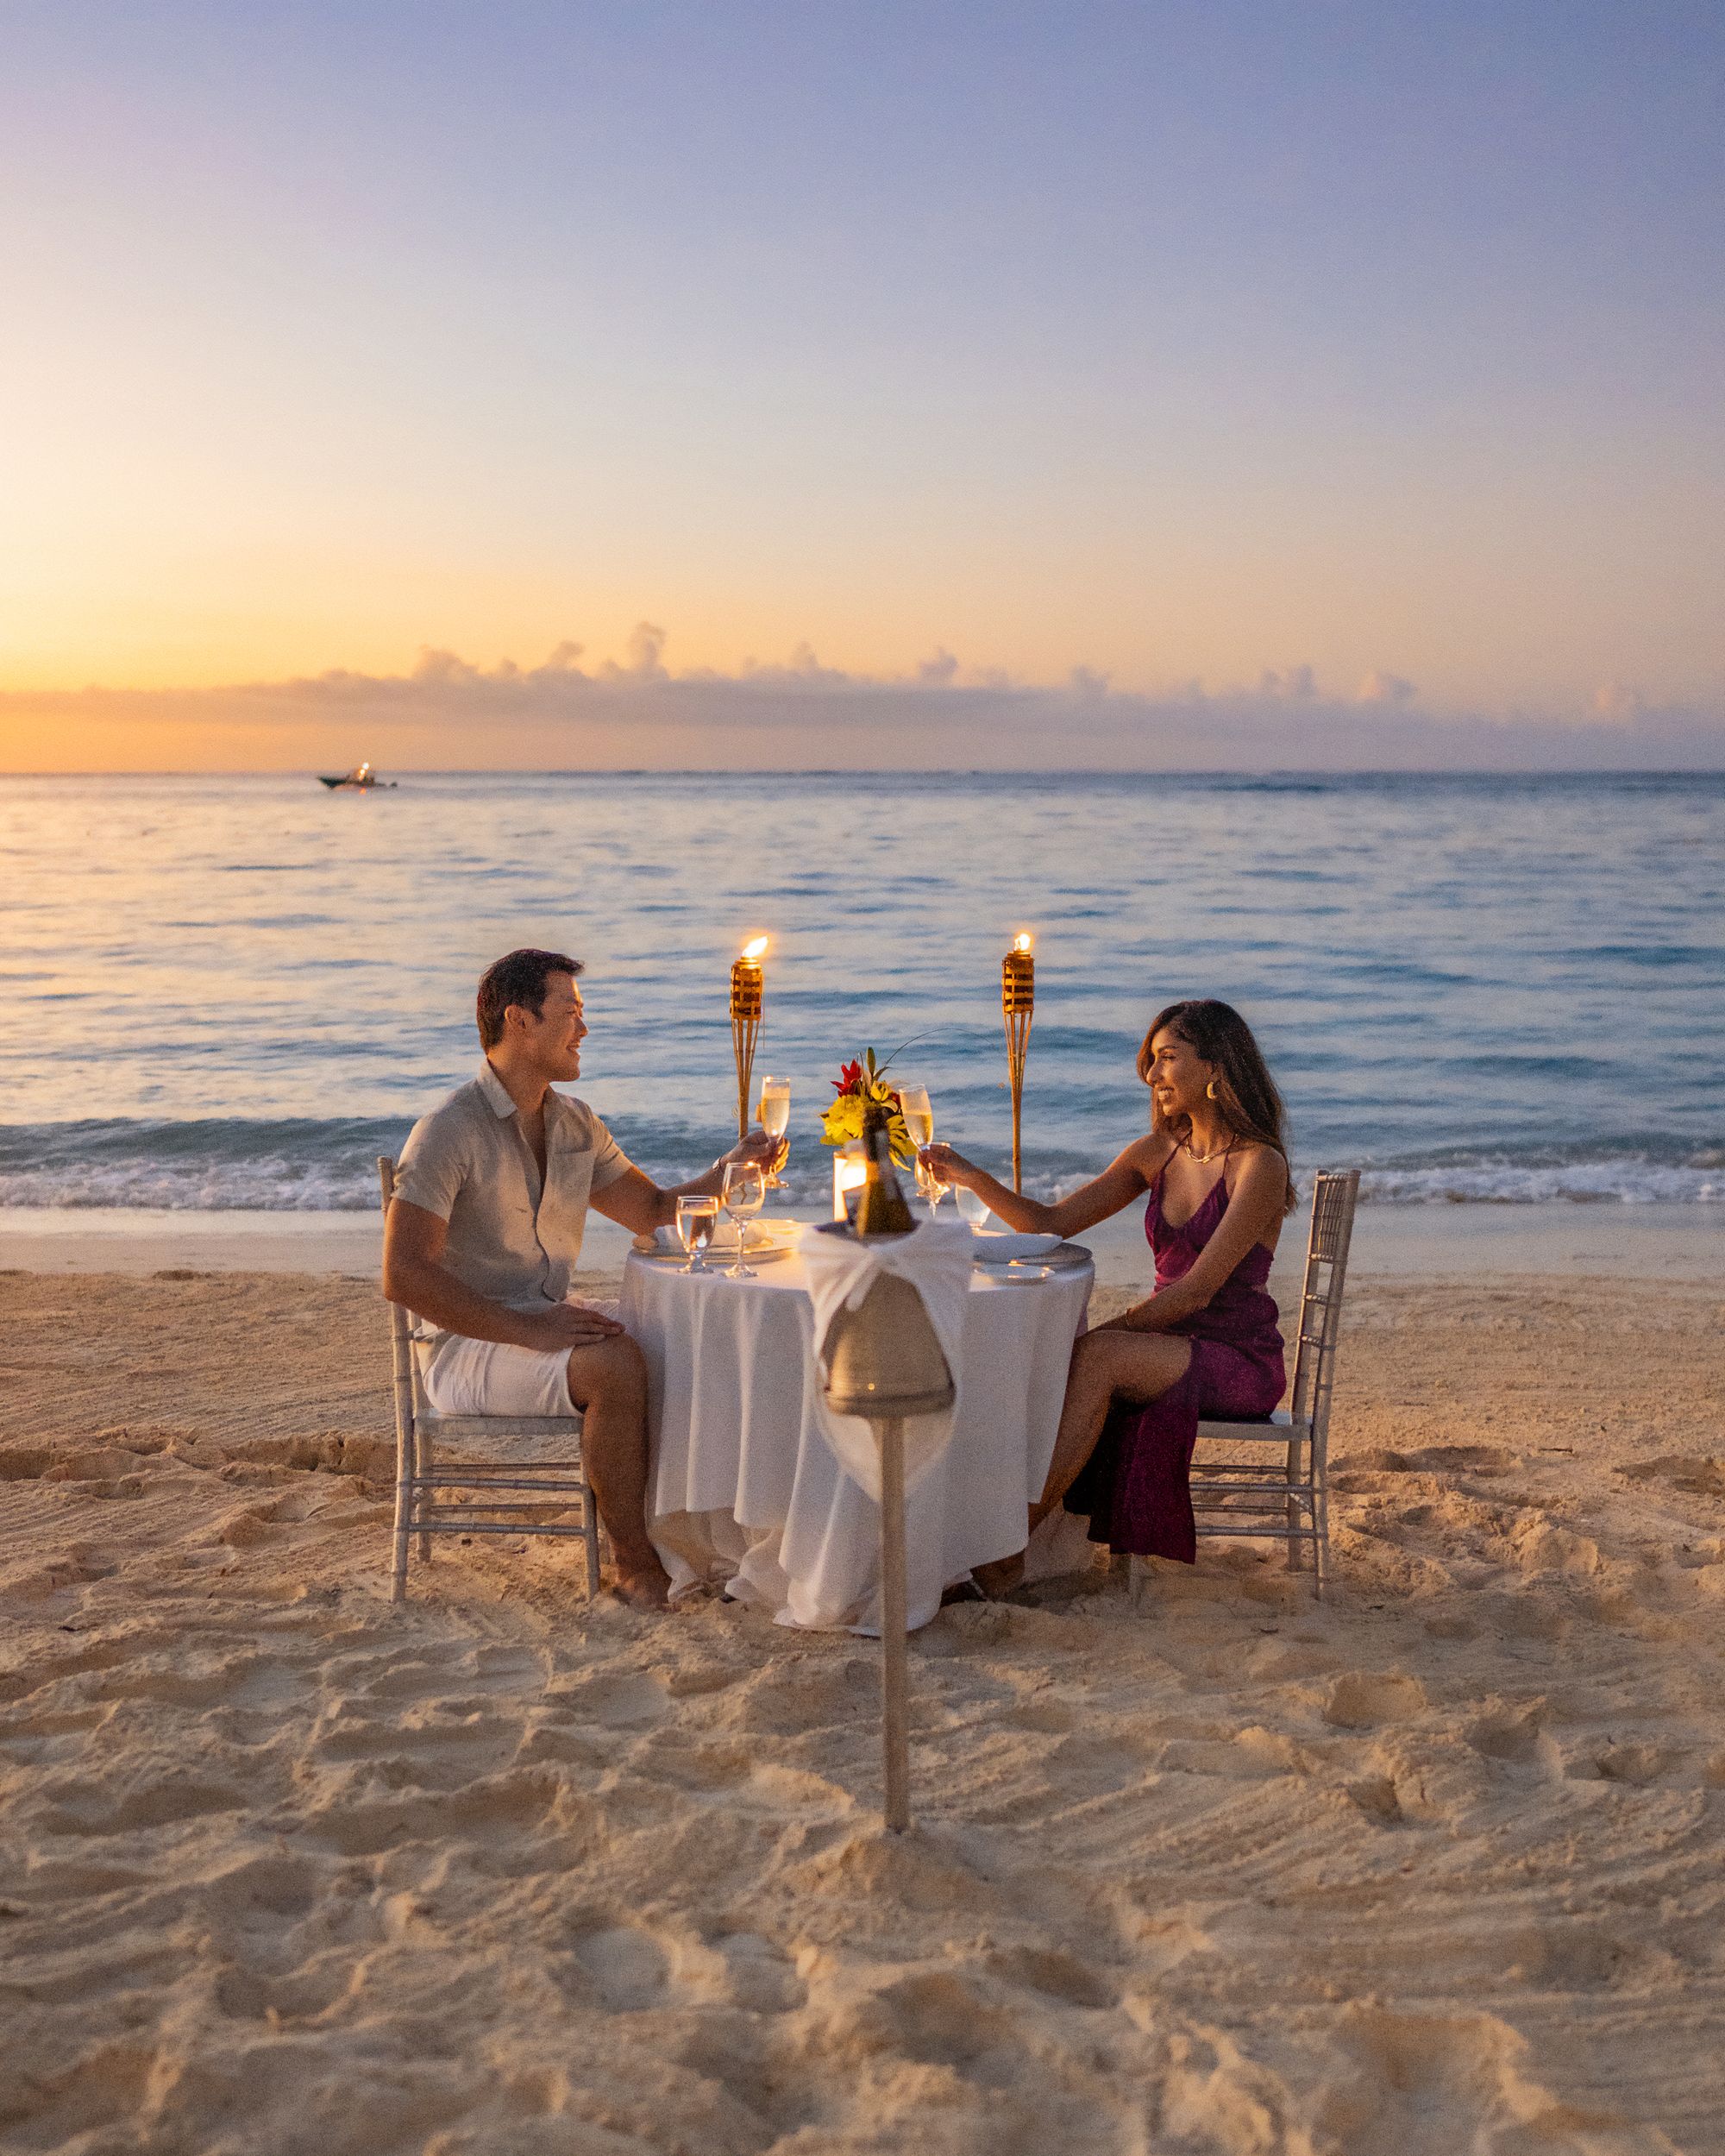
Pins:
x,y
495,1092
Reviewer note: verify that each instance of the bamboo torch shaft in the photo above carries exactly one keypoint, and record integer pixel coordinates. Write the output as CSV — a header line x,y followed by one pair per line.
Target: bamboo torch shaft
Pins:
x,y
894,1652
1018,1006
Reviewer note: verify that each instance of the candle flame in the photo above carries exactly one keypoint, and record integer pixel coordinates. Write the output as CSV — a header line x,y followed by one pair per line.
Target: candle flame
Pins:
x,y
755,950
1023,942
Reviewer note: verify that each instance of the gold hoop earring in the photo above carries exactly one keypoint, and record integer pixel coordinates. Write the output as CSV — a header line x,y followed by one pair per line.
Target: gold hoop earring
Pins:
x,y
1210,1090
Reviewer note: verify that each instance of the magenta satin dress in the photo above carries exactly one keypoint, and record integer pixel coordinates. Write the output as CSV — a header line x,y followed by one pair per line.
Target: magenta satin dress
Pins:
x,y
1136,1485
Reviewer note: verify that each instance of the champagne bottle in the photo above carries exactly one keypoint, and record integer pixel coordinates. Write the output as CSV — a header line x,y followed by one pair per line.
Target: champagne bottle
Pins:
x,y
881,1210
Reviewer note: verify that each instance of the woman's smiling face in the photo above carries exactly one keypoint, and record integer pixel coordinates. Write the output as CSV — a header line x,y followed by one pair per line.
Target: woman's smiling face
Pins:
x,y
1177,1076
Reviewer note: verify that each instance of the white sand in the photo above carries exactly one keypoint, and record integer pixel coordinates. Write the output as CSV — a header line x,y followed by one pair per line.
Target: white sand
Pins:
x,y
1432,1869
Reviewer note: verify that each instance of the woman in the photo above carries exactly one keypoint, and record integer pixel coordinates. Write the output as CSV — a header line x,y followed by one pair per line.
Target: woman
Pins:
x,y
1206,1343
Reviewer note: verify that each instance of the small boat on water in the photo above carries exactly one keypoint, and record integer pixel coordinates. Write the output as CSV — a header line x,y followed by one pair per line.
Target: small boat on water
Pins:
x,y
362,778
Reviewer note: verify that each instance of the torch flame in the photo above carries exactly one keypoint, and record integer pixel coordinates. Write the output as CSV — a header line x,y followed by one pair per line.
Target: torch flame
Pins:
x,y
757,949
1023,942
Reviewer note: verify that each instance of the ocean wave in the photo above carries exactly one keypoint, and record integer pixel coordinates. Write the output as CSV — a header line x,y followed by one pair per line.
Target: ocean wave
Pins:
x,y
308,1165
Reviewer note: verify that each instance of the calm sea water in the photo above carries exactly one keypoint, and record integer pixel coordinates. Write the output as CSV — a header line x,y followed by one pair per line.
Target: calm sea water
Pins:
x,y
236,992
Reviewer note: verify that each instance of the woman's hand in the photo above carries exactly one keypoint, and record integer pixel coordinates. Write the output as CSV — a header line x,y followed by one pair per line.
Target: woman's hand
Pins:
x,y
950,1166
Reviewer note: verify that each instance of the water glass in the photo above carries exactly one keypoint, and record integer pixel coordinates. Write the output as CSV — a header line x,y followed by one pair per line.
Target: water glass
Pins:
x,y
972,1206
745,1193
697,1218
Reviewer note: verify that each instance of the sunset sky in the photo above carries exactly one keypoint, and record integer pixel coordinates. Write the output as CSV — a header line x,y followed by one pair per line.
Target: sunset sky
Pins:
x,y
1329,367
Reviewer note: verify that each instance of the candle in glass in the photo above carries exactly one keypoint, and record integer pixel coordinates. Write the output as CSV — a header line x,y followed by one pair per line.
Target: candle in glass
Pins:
x,y
1018,1004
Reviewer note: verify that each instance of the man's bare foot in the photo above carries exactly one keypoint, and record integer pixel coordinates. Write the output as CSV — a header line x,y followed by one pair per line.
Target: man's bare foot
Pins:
x,y
649,1588
998,1579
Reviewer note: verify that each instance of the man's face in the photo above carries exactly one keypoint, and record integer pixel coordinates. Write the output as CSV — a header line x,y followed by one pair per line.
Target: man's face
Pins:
x,y
554,1039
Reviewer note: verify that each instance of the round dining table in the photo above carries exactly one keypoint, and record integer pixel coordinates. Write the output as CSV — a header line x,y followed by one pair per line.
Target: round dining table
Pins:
x,y
746,1495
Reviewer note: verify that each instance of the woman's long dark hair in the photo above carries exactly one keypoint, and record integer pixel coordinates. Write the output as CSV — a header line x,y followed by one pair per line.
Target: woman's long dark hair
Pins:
x,y
1245,1093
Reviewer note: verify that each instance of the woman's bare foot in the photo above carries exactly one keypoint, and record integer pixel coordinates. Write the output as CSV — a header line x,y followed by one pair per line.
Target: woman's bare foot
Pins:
x,y
998,1579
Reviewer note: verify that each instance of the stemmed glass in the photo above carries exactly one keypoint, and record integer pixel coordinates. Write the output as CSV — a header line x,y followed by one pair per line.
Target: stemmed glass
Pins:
x,y
745,1193
775,1112
973,1206
931,1186
697,1218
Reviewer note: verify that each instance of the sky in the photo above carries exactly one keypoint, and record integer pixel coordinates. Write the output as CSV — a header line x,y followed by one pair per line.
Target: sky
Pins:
x,y
547,384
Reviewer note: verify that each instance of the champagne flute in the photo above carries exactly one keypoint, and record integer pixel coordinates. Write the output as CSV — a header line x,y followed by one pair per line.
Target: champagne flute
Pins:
x,y
745,1193
697,1218
913,1106
933,1188
775,1112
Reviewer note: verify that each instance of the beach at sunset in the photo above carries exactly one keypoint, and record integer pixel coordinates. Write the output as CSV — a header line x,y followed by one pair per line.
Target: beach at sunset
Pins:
x,y
862,1153
1429,1865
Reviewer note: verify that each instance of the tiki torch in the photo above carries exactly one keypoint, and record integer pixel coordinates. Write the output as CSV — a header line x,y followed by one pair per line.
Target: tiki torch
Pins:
x,y
747,1000
1017,1001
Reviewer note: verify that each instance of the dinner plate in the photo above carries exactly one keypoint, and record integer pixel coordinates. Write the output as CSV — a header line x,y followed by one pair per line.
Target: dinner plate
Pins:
x,y
998,1248
719,1261
1062,1257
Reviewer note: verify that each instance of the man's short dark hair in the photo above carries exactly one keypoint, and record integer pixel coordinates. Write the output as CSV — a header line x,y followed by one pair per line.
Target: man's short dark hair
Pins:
x,y
520,977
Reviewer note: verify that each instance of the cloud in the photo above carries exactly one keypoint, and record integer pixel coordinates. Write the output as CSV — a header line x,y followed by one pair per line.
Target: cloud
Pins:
x,y
567,713
1612,702
1385,688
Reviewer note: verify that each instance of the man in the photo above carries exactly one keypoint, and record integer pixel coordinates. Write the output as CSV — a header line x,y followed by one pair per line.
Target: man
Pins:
x,y
491,1197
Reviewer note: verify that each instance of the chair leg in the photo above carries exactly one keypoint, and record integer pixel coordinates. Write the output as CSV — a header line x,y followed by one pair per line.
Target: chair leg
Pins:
x,y
421,1496
590,1537
1134,1583
404,1494
1321,1540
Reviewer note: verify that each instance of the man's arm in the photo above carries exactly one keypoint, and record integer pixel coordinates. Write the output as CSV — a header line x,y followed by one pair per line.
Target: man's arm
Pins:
x,y
637,1201
415,1275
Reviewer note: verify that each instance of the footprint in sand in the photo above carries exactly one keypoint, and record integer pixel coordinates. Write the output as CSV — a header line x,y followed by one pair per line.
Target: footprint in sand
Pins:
x,y
626,1966
1361,1699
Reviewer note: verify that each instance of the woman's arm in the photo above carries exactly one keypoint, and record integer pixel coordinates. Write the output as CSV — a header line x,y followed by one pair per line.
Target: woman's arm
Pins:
x,y
1120,1182
1260,1194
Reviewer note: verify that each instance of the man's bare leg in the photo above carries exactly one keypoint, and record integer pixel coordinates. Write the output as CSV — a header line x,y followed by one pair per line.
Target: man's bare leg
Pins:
x,y
608,1384
1106,1366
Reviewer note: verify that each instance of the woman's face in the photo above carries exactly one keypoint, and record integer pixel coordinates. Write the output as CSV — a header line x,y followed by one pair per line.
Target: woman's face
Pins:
x,y
1178,1076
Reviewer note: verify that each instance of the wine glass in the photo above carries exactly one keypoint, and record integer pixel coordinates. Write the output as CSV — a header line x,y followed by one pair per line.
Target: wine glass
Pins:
x,y
931,1185
972,1206
697,1218
775,1112
745,1193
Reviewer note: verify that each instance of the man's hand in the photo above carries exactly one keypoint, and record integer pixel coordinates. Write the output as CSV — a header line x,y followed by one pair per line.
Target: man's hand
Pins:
x,y
766,1153
569,1325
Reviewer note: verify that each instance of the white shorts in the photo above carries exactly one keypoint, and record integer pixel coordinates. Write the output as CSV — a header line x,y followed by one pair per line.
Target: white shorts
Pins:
x,y
490,1377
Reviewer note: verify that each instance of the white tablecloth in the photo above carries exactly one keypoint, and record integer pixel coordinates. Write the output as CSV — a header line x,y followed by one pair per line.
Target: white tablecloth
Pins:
x,y
744,1490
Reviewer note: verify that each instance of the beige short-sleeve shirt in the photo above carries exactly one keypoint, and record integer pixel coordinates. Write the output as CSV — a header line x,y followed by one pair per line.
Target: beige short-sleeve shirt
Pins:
x,y
469,1163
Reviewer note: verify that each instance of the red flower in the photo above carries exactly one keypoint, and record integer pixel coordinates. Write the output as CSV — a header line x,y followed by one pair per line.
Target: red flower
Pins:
x,y
850,1079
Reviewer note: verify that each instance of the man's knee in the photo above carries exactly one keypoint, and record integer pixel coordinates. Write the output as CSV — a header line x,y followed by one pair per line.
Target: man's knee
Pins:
x,y
615,1371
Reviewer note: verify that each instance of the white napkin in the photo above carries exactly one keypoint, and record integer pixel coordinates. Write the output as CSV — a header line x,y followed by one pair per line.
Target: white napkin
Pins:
x,y
935,1258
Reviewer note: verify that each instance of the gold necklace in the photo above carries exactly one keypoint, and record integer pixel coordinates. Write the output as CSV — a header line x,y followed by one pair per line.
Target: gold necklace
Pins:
x,y
1205,1158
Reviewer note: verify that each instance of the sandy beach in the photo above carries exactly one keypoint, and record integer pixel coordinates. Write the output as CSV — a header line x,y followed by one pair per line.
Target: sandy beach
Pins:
x,y
1435,1867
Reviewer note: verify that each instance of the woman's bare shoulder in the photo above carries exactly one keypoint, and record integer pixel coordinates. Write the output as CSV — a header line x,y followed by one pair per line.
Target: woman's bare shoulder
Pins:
x,y
1253,1158
1151,1153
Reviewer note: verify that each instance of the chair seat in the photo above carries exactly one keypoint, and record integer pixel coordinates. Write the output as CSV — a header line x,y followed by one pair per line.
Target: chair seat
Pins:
x,y
1281,1426
499,1426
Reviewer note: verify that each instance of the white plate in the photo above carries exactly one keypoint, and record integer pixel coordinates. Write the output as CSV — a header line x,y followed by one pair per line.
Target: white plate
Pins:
x,y
1006,1248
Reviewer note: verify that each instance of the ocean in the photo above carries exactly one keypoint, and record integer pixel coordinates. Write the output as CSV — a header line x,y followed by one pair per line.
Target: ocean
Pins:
x,y
236,992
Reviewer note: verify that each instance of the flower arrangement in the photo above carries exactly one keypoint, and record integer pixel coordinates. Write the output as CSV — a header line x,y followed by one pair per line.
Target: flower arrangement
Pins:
x,y
856,1084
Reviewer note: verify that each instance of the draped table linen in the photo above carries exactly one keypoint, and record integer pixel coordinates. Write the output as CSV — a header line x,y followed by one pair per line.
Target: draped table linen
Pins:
x,y
745,1490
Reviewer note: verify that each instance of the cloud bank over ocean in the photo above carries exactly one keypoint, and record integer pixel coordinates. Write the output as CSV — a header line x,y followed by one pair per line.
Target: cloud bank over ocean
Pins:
x,y
637,712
